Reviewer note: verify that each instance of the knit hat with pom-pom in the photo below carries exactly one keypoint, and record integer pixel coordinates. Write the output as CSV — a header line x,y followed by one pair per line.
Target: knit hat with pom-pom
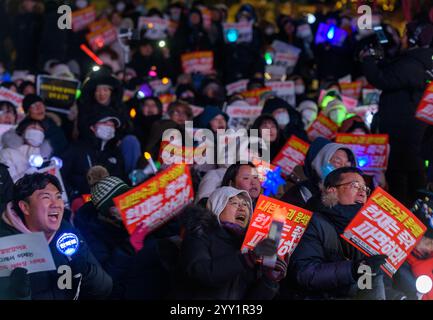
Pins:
x,y
103,188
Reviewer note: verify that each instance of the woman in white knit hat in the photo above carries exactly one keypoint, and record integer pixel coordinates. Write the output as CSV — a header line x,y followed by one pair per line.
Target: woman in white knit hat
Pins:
x,y
211,265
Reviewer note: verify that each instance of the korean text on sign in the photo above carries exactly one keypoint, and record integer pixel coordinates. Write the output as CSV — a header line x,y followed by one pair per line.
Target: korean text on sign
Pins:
x,y
295,224
291,155
424,111
385,226
322,127
157,200
198,61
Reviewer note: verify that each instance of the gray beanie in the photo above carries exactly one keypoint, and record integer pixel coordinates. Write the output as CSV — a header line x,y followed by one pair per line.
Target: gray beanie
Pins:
x,y
220,197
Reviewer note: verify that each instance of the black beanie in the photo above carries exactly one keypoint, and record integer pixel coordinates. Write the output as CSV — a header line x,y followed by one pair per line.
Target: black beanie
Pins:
x,y
29,100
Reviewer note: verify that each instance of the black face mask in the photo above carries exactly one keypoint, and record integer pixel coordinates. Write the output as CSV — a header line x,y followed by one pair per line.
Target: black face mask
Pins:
x,y
344,215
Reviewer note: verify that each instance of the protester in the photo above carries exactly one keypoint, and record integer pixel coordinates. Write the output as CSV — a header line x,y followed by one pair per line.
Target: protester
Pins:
x,y
243,177
37,206
8,113
211,264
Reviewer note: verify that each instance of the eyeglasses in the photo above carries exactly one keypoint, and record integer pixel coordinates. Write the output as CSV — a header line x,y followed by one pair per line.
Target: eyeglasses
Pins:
x,y
241,204
356,185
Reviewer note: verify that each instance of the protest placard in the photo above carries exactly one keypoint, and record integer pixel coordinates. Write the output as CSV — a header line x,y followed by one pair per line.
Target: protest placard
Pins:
x,y
160,86
385,226
242,116
98,25
287,59
156,28
349,103
197,61
15,98
57,93
102,37
371,150
25,250
291,155
237,87
242,30
351,89
157,200
304,31
322,127
252,97
284,90
178,153
82,18
296,221
424,112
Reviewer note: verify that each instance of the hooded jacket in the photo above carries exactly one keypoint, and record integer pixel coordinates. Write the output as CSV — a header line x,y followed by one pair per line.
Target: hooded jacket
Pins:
x,y
96,283
211,265
16,153
318,155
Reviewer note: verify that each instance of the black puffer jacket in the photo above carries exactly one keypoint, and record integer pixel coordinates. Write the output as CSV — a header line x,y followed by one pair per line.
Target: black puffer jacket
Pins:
x,y
402,82
212,266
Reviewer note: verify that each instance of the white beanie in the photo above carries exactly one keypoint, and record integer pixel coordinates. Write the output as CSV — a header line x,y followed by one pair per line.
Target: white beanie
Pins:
x,y
220,197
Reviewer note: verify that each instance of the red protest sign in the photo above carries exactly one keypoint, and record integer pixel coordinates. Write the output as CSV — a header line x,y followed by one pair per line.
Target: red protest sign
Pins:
x,y
82,18
351,89
322,127
424,111
296,221
98,25
197,61
103,36
385,226
291,155
371,150
171,153
157,200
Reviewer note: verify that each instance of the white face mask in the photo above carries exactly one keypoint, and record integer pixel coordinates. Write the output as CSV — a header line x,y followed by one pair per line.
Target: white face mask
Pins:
x,y
300,89
105,133
34,137
282,118
81,4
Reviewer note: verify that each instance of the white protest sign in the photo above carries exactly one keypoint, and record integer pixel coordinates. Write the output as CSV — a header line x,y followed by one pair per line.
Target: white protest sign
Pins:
x,y
15,98
284,90
238,86
304,31
26,250
156,28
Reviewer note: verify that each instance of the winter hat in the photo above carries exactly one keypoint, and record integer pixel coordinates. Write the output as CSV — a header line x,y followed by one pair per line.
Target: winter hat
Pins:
x,y
208,114
307,105
336,105
62,71
220,197
29,100
104,188
102,116
273,104
352,123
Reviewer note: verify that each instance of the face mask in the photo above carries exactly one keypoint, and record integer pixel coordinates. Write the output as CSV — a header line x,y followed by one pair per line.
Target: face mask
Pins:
x,y
282,118
81,4
308,116
326,169
34,137
120,7
105,133
299,89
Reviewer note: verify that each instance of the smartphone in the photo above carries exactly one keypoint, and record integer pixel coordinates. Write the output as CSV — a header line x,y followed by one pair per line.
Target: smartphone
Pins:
x,y
274,234
380,34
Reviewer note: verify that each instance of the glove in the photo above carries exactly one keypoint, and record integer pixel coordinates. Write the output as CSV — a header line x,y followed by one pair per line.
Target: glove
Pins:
x,y
374,262
279,272
79,264
19,286
137,237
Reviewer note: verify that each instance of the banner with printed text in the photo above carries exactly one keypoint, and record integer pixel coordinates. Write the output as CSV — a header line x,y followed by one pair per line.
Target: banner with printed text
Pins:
x,y
242,116
57,92
295,224
157,200
102,37
243,31
156,28
424,111
82,18
198,61
385,226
